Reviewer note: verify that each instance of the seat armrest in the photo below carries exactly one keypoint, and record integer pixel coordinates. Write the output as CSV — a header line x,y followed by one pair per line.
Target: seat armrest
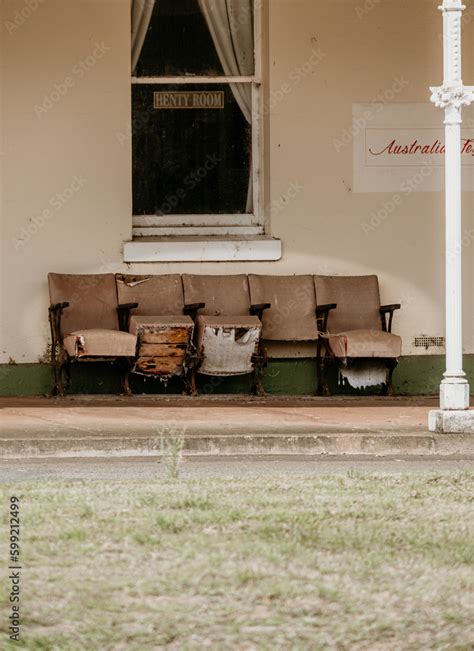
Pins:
x,y
123,312
58,307
322,315
192,309
388,310
258,309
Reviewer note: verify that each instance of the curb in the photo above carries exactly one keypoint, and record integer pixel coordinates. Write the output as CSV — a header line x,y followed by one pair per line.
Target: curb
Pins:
x,y
251,445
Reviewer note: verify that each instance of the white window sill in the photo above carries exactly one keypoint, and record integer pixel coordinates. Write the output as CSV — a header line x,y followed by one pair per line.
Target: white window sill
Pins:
x,y
199,249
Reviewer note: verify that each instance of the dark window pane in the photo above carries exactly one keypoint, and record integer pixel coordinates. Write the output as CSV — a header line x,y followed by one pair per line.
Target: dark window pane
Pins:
x,y
178,42
189,160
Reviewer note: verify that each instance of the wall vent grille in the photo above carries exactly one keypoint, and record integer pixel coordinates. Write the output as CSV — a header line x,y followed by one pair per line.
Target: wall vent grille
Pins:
x,y
424,341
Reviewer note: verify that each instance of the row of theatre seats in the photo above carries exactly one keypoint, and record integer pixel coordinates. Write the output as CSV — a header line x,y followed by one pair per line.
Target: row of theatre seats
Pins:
x,y
181,325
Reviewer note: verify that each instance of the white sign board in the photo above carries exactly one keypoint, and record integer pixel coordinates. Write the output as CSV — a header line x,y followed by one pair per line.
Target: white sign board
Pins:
x,y
400,148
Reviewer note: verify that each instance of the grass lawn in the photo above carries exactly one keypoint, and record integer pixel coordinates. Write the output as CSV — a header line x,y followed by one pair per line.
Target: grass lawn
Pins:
x,y
352,562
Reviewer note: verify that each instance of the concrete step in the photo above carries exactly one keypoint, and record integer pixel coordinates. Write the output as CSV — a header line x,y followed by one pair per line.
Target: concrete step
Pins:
x,y
118,427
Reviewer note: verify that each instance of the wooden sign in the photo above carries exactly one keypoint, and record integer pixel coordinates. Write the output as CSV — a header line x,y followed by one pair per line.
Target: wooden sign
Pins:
x,y
188,100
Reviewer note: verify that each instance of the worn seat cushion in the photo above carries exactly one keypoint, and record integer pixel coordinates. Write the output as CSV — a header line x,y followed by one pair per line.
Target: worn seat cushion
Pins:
x,y
100,343
365,343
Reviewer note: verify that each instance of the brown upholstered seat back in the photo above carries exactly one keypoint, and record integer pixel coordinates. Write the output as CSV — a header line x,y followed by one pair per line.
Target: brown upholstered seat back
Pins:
x,y
357,298
223,295
92,301
292,316
155,295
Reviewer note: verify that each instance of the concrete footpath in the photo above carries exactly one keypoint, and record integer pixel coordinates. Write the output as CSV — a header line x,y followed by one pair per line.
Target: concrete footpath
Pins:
x,y
111,426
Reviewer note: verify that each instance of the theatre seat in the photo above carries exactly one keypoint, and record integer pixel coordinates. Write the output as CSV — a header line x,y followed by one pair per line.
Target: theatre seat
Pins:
x,y
162,324
228,327
85,319
353,329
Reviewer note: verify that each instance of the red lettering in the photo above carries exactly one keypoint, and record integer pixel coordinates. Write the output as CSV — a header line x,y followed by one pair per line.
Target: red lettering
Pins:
x,y
395,148
467,147
387,149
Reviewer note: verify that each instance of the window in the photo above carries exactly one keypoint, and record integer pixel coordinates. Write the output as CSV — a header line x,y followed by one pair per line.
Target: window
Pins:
x,y
196,89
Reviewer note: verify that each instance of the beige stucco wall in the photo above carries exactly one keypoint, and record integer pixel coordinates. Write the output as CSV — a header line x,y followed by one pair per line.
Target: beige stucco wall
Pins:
x,y
75,148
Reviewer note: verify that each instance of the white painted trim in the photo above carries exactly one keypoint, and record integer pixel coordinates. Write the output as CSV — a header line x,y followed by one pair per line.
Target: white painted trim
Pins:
x,y
258,39
184,231
143,221
190,79
202,250
193,222
257,154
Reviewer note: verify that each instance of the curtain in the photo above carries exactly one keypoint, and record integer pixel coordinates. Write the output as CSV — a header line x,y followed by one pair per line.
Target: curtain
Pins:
x,y
230,23
141,16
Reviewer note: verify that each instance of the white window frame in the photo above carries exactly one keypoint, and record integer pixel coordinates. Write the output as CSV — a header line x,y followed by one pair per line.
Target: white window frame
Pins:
x,y
218,224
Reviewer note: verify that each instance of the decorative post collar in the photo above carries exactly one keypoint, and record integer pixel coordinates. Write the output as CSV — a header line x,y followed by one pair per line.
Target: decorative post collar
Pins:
x,y
444,96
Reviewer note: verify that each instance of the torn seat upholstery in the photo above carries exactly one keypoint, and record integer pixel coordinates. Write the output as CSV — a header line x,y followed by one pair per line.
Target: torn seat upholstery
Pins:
x,y
365,343
228,327
229,344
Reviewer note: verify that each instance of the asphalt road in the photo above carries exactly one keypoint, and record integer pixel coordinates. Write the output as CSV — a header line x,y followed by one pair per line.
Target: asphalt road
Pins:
x,y
148,468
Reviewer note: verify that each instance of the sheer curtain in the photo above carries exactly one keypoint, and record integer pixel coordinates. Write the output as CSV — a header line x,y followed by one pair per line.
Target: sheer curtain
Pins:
x,y
141,16
230,23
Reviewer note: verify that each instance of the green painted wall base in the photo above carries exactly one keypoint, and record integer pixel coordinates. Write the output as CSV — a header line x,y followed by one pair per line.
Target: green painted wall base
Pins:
x,y
419,375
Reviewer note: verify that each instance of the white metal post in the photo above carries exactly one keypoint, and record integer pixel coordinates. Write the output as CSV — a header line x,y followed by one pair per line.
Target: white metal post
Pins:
x,y
452,96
